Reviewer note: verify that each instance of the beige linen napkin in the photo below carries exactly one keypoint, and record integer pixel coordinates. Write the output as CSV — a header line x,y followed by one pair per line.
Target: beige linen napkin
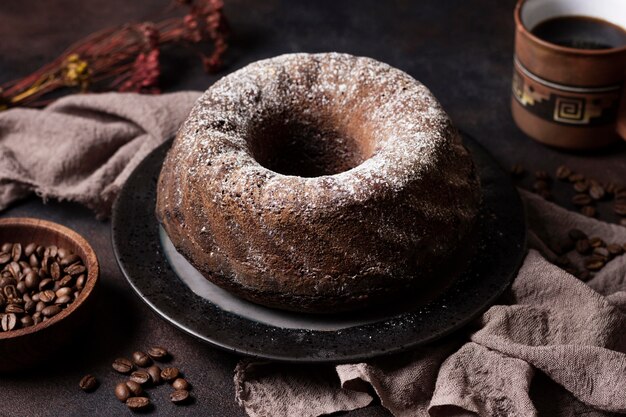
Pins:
x,y
556,347
83,147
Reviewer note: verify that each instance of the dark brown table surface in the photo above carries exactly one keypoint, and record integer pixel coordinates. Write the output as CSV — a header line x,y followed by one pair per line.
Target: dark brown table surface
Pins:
x,y
461,50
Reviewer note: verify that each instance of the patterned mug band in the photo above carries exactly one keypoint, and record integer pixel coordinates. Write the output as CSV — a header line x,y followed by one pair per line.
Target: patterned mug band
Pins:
x,y
565,104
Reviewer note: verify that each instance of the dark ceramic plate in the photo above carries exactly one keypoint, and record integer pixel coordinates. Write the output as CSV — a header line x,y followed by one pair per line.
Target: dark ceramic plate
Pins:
x,y
177,292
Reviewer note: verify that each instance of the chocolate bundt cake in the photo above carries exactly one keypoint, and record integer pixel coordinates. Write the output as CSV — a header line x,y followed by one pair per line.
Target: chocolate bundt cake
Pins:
x,y
317,182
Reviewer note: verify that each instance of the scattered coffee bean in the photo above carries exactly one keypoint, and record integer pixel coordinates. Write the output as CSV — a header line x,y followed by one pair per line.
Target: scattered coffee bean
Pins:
x,y
594,263
574,178
169,373
540,185
615,249
140,377
620,208
137,403
179,396
596,192
141,359
583,246
122,392
155,374
122,365
134,387
517,171
180,383
589,211
581,200
601,252
581,186
158,353
16,252
27,321
88,383
597,242
563,172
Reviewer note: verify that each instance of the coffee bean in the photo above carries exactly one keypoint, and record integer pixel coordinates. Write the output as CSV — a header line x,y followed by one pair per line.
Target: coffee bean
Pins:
x,y
47,296
594,264
588,211
180,383
597,242
517,171
620,208
581,200
10,292
8,322
14,308
30,249
69,259
137,403
596,192
3,300
601,253
80,282
122,392
581,186
575,178
158,353
88,383
134,387
542,175
40,306
31,280
140,377
37,318
563,172
155,374
16,252
179,396
21,287
46,284
122,365
615,249
66,281
27,321
55,271
540,185
141,359
66,299
4,257
169,373
63,291
75,269
51,311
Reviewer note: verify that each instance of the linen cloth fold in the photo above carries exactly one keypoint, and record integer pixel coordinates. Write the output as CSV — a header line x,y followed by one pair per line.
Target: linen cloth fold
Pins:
x,y
555,346
83,147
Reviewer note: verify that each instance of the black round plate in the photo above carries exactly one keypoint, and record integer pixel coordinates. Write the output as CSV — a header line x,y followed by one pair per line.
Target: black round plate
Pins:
x,y
143,258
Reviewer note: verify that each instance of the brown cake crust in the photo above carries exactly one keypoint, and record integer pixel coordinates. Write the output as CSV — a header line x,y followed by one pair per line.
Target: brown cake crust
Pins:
x,y
385,191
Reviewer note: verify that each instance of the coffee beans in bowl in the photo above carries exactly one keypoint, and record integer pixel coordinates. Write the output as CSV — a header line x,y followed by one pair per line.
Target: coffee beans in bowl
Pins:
x,y
47,274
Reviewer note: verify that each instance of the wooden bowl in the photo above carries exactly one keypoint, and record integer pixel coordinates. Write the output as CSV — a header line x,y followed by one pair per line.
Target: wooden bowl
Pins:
x,y
29,346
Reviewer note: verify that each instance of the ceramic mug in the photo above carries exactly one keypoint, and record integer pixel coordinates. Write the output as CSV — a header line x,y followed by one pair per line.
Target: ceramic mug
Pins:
x,y
566,97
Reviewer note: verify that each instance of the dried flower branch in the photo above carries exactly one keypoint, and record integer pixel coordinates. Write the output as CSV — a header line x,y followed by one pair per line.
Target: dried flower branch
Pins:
x,y
125,58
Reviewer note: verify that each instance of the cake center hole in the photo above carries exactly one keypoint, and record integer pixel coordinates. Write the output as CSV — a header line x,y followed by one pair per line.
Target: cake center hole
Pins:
x,y
305,149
